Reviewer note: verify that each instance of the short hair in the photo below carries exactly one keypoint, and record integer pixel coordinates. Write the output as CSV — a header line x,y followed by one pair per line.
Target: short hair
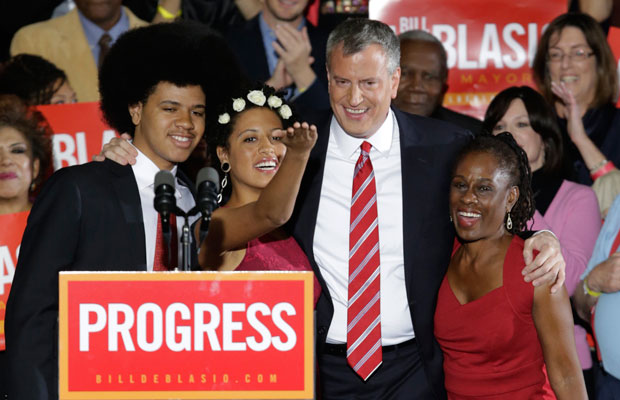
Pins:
x,y
181,53
356,34
418,35
16,114
219,132
32,78
606,74
542,119
512,159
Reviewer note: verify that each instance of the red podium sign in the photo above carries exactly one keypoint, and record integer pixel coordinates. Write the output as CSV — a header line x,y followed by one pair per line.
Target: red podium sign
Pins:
x,y
196,335
79,132
490,45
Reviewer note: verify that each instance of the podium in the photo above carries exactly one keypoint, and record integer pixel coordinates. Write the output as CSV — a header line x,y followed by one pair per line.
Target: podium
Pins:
x,y
186,335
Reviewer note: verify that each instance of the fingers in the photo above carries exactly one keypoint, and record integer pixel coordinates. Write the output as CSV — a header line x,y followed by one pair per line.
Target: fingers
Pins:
x,y
120,150
559,281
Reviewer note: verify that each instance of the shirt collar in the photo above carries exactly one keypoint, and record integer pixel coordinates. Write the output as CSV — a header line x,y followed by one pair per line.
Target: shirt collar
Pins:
x,y
266,30
380,141
93,32
145,170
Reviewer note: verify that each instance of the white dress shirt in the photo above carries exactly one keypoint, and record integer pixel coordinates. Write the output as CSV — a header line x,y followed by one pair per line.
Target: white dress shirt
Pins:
x,y
145,170
331,237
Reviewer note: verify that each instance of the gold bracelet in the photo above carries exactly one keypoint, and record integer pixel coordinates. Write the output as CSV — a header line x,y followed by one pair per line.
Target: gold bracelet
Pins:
x,y
589,291
167,14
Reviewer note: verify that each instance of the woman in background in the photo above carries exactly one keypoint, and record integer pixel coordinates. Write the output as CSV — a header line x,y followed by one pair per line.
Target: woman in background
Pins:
x,y
568,209
496,331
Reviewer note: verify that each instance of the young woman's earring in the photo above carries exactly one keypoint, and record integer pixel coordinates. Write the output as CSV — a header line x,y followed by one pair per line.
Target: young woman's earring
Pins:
x,y
226,169
508,222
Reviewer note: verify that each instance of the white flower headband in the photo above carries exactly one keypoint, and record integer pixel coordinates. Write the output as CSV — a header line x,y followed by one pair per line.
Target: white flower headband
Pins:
x,y
258,98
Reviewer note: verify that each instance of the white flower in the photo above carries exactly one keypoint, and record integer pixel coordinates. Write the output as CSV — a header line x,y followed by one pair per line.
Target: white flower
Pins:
x,y
285,111
274,101
257,97
238,105
224,119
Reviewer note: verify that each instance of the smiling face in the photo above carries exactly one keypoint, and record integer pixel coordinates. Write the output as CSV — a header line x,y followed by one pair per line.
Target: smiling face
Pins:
x,y
283,10
579,76
480,197
422,82
17,169
516,120
170,124
254,150
361,89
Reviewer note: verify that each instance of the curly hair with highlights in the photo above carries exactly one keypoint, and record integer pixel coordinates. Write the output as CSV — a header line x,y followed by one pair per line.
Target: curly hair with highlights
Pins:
x,y
512,159
181,53
14,113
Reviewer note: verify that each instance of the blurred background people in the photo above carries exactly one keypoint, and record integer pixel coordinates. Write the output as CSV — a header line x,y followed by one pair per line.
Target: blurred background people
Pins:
x,y
280,48
574,59
35,80
424,80
496,331
25,154
597,299
568,209
78,41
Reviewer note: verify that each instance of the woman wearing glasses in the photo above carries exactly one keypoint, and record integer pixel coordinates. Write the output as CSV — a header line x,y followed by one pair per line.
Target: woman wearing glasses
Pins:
x,y
576,72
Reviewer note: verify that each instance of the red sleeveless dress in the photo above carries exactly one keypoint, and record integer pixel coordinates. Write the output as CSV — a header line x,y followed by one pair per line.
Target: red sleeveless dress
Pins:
x,y
490,345
268,253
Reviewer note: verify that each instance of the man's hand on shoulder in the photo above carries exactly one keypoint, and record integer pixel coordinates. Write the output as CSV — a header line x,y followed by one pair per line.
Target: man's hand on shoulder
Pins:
x,y
548,267
118,150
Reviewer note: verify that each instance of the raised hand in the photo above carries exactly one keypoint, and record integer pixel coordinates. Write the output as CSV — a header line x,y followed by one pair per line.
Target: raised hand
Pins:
x,y
573,112
300,138
293,48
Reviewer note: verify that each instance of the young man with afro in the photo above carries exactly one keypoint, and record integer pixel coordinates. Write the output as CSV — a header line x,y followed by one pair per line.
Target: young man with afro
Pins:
x,y
157,83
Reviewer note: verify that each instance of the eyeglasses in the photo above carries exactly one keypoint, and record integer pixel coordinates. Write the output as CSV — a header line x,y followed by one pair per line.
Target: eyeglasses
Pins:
x,y
576,55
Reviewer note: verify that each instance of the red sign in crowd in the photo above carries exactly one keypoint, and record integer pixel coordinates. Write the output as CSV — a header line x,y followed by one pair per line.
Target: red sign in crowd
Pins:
x,y
186,335
488,50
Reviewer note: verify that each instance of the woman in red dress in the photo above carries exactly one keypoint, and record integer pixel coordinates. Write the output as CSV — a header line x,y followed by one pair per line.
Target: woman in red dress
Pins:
x,y
496,331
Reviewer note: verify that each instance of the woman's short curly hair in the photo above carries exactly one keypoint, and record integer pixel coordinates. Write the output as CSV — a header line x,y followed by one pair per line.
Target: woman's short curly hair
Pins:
x,y
16,114
181,53
512,159
32,78
218,132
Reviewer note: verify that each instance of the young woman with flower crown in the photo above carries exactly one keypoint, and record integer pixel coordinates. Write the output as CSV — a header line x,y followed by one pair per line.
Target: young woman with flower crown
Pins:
x,y
262,155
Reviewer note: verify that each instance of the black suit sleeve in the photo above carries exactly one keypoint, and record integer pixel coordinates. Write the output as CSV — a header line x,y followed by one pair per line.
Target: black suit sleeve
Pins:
x,y
48,246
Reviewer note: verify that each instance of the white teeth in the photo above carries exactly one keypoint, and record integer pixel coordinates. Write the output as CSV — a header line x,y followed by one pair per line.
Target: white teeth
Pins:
x,y
568,79
469,214
266,165
181,138
356,111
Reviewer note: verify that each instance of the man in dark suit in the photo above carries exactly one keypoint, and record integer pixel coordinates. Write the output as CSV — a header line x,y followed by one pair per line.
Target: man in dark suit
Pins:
x,y
424,80
281,48
406,213
100,216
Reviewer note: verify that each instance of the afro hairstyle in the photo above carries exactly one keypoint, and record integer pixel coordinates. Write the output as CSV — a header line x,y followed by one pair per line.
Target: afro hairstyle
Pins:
x,y
182,53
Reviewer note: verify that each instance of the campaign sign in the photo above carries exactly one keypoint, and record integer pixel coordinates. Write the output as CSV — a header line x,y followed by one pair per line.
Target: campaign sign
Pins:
x,y
79,132
490,45
613,38
186,335
13,226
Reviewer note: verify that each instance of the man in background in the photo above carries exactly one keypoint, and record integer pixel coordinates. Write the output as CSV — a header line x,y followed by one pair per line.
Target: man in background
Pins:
x,y
424,80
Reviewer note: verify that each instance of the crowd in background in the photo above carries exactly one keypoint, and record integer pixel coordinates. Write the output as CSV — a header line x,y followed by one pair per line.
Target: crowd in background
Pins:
x,y
568,128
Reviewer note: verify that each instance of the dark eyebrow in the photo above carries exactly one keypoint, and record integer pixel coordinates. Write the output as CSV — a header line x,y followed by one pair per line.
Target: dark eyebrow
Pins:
x,y
252,130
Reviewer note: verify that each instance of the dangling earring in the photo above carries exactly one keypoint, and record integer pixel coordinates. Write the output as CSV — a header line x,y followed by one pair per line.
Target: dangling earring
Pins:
x,y
32,187
508,222
226,169
450,216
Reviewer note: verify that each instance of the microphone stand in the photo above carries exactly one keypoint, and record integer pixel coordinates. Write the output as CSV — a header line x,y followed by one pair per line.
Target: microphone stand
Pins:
x,y
186,242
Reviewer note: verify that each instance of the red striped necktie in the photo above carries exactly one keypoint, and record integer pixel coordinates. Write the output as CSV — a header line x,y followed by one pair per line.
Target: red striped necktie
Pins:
x,y
166,257
364,352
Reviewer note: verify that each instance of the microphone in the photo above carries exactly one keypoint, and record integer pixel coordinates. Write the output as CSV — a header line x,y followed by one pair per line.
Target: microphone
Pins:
x,y
165,202
207,188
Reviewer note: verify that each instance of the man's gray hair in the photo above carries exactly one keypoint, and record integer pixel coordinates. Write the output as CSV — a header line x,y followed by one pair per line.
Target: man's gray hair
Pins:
x,y
356,34
419,35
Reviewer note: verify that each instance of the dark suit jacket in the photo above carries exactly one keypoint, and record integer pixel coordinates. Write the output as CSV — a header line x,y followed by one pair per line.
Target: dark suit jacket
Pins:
x,y
87,218
246,41
428,148
473,125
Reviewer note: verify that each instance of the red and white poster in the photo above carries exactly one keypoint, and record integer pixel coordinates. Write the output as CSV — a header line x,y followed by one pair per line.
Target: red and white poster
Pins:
x,y
613,38
490,45
13,226
79,132
196,335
